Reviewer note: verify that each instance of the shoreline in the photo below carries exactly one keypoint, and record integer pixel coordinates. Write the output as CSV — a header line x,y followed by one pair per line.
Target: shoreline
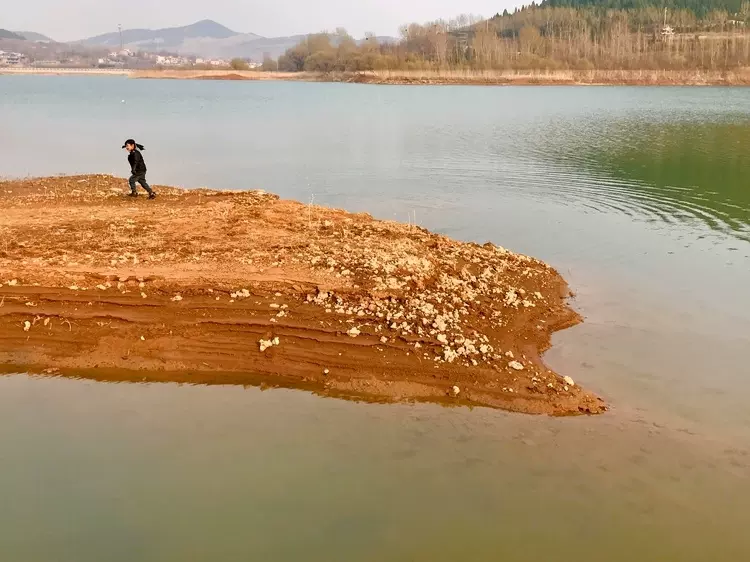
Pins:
x,y
216,287
694,77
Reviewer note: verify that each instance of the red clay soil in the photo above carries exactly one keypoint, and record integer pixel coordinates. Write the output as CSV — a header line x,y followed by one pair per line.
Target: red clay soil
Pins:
x,y
210,287
230,77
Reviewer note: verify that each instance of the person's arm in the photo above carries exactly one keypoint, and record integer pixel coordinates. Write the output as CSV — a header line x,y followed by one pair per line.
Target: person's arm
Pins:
x,y
137,161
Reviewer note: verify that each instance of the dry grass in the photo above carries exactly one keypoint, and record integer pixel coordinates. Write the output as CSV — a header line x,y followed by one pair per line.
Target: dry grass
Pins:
x,y
696,77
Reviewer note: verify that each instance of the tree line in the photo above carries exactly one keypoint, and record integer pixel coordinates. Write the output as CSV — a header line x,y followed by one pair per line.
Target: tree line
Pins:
x,y
551,36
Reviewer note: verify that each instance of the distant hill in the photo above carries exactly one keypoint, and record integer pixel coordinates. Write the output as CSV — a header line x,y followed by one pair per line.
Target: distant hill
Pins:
x,y
33,36
205,38
167,39
5,34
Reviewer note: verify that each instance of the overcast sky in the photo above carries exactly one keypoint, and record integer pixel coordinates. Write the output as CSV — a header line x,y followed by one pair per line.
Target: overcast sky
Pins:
x,y
67,20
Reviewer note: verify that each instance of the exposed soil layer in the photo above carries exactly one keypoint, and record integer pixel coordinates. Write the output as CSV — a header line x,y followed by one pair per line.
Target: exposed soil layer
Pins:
x,y
211,287
693,77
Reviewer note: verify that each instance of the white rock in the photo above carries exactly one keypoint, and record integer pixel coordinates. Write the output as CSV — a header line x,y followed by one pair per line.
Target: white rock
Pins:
x,y
384,340
265,344
354,332
26,326
456,391
515,365
176,298
569,381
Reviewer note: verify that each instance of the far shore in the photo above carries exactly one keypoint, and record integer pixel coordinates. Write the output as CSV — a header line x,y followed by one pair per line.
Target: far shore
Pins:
x,y
693,77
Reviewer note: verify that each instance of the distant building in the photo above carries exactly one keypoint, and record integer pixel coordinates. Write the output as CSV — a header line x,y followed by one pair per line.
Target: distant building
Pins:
x,y
12,59
171,61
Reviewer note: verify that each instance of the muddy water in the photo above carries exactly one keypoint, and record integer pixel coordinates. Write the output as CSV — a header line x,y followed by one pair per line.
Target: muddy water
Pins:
x,y
640,196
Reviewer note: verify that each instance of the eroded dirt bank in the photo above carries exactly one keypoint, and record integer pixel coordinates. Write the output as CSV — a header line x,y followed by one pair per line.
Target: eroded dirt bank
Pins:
x,y
623,77
214,287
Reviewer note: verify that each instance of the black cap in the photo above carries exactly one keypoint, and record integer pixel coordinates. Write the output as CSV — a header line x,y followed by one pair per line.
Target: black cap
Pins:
x,y
127,142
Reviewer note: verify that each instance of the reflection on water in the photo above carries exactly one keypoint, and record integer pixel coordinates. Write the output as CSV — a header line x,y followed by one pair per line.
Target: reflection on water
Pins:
x,y
638,196
666,172
163,473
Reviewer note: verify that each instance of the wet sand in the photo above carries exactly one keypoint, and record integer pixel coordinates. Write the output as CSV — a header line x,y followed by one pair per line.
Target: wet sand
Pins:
x,y
210,287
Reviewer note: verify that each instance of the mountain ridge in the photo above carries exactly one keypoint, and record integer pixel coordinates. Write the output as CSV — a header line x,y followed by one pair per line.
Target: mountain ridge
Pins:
x,y
206,38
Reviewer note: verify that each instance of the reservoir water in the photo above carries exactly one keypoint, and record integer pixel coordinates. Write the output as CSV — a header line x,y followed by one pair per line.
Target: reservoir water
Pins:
x,y
639,196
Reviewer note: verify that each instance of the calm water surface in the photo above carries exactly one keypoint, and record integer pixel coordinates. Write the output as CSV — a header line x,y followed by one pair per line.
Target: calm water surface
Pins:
x,y
639,196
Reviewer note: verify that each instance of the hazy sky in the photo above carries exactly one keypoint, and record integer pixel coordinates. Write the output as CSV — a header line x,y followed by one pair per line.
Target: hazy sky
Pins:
x,y
66,20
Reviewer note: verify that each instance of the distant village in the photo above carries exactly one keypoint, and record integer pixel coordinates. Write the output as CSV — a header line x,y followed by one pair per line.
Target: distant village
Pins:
x,y
124,58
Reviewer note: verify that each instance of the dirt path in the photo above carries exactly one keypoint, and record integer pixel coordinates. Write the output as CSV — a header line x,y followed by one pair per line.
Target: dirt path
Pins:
x,y
216,287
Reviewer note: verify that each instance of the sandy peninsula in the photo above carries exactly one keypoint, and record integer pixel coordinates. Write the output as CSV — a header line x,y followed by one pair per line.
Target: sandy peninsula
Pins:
x,y
241,287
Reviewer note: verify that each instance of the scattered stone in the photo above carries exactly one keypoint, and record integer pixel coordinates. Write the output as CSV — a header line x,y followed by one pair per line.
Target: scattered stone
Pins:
x,y
354,332
456,391
516,365
569,381
265,344
176,298
26,326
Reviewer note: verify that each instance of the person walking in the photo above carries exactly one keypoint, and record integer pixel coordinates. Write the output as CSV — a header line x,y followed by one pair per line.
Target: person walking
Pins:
x,y
137,169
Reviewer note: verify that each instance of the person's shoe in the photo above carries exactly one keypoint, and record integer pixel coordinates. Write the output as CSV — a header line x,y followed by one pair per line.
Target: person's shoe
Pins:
x,y
132,194
152,195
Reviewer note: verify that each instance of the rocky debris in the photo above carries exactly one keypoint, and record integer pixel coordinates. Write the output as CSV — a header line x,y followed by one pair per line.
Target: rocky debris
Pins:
x,y
456,391
569,381
266,344
516,365
176,298
26,326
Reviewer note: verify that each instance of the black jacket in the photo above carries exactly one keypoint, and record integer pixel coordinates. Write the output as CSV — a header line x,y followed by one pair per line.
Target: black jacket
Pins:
x,y
137,165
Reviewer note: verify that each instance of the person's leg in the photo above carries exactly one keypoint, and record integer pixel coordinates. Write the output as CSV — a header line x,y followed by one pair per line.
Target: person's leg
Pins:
x,y
146,186
133,188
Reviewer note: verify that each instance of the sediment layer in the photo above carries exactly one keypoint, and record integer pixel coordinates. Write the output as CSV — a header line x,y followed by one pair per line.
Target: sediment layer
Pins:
x,y
217,287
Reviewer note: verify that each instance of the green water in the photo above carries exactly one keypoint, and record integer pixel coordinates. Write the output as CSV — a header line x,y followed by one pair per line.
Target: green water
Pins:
x,y
639,196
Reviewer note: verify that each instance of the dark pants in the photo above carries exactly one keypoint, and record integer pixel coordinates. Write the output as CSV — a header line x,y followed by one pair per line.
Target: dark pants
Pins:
x,y
141,179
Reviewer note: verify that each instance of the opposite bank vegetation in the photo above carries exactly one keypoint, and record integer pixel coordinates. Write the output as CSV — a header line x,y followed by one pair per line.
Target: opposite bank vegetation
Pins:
x,y
558,35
